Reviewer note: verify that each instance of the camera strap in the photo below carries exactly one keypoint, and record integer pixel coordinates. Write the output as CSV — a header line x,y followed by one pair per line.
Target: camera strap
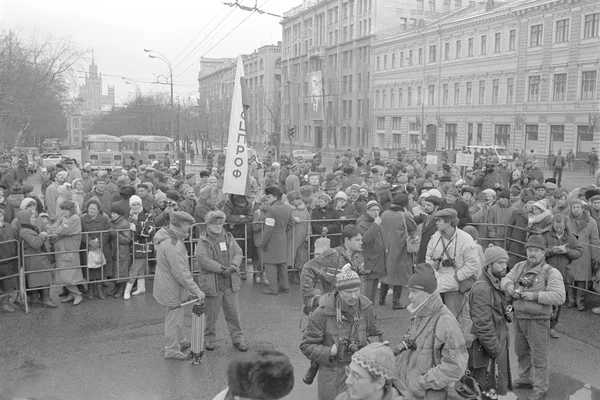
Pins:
x,y
445,247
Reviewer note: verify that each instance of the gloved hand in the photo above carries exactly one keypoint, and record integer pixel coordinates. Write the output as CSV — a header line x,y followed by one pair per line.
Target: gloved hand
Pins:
x,y
228,271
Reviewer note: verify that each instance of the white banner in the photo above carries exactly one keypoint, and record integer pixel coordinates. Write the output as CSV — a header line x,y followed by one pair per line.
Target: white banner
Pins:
x,y
466,160
236,163
431,160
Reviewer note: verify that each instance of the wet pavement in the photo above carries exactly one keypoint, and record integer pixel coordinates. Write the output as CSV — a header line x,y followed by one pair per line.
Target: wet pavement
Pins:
x,y
112,349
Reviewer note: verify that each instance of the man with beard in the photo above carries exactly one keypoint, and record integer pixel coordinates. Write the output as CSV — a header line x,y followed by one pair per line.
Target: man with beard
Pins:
x,y
488,361
430,205
342,318
433,328
452,201
535,288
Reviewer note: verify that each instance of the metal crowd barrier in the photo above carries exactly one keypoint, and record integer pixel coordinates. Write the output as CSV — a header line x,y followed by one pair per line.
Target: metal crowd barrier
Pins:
x,y
9,263
191,243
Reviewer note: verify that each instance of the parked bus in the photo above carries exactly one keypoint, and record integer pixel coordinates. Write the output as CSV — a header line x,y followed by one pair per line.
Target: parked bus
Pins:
x,y
50,146
103,151
147,148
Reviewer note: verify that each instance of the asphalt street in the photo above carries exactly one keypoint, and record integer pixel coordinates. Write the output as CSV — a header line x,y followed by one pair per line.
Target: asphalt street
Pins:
x,y
112,349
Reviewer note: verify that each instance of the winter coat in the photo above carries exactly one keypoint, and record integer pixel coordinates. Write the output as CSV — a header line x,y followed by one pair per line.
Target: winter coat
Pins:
x,y
210,258
9,211
68,240
9,250
323,330
562,261
428,229
374,250
464,218
538,224
498,218
397,391
320,272
173,281
35,259
50,199
547,282
398,262
348,211
462,248
297,237
277,222
121,247
516,234
585,229
537,174
187,205
97,228
106,200
447,349
239,218
487,306
480,219
202,208
143,234
334,228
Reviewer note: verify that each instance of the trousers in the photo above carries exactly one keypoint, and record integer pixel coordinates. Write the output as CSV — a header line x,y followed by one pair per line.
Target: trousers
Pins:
x,y
277,275
557,174
228,300
371,289
174,334
531,348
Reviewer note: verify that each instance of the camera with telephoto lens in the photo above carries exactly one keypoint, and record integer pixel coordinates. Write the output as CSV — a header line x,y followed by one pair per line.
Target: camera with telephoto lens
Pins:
x,y
407,343
489,394
348,347
524,284
310,375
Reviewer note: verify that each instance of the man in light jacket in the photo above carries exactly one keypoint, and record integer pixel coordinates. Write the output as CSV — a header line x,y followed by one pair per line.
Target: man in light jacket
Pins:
x,y
173,282
218,257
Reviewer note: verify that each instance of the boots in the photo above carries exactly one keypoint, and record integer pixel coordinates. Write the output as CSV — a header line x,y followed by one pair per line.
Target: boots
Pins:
x,y
46,301
99,291
64,292
396,305
127,292
5,304
114,290
120,290
383,290
141,287
89,294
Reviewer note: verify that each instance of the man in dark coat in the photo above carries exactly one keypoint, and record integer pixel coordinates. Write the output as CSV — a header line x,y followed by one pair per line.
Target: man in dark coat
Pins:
x,y
274,244
488,357
374,251
430,205
454,201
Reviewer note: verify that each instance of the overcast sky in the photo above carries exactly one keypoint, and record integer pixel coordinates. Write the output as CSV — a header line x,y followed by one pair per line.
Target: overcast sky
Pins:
x,y
119,30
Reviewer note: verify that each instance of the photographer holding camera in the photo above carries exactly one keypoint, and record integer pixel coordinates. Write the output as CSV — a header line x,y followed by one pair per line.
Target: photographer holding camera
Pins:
x,y
490,313
338,328
535,287
435,355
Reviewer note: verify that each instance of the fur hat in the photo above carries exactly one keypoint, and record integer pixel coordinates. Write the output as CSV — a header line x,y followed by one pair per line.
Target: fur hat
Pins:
x,y
261,374
214,217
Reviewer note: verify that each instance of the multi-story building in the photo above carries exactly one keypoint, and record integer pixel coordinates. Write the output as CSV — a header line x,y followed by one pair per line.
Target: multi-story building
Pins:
x,y
90,103
262,71
521,74
326,65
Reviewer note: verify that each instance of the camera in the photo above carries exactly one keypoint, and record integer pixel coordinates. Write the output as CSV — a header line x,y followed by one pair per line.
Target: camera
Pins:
x,y
524,283
489,394
508,313
445,262
407,343
310,375
348,347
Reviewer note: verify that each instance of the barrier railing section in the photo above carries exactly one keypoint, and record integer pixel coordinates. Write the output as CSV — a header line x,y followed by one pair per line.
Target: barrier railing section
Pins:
x,y
10,267
191,242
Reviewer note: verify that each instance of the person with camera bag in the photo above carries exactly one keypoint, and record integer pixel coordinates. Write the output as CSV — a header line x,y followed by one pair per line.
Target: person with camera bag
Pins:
x,y
337,328
490,313
435,354
534,287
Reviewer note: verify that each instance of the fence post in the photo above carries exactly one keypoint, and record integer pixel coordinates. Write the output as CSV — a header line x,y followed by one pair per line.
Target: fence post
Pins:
x,y
22,283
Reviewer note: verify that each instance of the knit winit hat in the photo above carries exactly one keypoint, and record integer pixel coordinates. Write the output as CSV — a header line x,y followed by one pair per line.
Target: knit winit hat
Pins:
x,y
423,279
377,359
495,253
347,279
536,242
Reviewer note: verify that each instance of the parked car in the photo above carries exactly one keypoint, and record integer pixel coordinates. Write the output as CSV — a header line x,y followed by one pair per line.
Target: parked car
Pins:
x,y
32,164
51,159
302,154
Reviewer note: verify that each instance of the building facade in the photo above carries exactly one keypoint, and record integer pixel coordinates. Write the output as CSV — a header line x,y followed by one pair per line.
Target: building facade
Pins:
x,y
262,70
326,65
520,74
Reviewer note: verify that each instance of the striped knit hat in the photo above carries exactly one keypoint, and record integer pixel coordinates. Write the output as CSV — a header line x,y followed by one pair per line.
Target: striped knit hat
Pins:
x,y
377,359
347,279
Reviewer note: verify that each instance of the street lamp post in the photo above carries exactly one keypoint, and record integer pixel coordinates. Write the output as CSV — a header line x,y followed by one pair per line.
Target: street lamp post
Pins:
x,y
162,57
138,91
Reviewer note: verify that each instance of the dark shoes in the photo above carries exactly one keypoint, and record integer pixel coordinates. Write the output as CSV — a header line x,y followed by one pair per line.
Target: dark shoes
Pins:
x,y
241,346
209,345
537,396
185,345
267,291
521,383
398,306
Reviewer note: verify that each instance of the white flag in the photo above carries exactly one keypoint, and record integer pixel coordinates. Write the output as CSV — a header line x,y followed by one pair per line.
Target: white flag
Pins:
x,y
236,164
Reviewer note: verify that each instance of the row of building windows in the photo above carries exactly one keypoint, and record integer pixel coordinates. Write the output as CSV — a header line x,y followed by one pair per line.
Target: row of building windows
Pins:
x,y
591,29
396,95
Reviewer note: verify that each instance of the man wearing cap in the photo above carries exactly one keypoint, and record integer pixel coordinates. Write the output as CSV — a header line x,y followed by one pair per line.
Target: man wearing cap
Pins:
x,y
257,375
432,325
430,205
173,282
88,179
72,171
371,375
453,254
51,195
342,319
488,361
499,215
218,258
535,288
452,200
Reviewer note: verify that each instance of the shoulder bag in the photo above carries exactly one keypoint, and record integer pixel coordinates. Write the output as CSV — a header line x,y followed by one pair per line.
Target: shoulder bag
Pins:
x,y
412,243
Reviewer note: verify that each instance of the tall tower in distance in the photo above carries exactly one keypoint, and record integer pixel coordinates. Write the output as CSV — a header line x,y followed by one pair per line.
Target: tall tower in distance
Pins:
x,y
91,91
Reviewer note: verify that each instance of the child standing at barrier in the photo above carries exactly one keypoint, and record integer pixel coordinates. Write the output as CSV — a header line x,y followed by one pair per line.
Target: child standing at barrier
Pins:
x,y
141,224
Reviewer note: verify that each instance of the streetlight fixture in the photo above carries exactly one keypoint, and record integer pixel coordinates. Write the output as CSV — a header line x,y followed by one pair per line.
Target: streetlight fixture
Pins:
x,y
162,57
137,88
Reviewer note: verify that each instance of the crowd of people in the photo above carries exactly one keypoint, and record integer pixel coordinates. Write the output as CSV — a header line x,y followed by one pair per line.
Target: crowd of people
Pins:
x,y
475,247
